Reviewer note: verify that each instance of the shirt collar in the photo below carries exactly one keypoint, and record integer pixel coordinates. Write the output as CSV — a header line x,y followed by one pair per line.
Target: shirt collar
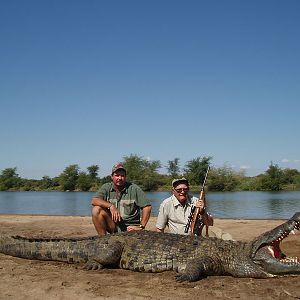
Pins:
x,y
176,203
124,190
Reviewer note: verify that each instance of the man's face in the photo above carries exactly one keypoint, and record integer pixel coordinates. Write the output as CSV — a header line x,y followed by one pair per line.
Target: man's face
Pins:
x,y
119,178
180,191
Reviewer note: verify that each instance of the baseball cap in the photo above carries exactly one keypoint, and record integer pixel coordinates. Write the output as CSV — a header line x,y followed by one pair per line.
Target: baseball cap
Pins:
x,y
179,180
118,167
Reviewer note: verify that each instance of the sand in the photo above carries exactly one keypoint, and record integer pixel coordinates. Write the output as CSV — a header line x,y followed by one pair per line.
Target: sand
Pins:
x,y
31,279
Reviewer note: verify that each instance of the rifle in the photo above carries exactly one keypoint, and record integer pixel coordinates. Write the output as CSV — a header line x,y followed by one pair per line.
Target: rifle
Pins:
x,y
197,220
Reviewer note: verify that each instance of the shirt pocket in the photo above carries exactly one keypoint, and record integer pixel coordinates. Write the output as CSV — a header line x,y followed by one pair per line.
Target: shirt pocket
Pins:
x,y
129,207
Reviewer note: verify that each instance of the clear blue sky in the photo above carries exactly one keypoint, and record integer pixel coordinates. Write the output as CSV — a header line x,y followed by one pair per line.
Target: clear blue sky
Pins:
x,y
89,82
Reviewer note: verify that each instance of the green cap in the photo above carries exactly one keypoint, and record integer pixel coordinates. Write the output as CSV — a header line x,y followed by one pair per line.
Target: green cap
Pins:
x,y
179,180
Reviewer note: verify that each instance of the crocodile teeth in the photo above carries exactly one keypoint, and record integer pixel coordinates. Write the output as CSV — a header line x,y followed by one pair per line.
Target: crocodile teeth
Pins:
x,y
293,232
271,250
290,260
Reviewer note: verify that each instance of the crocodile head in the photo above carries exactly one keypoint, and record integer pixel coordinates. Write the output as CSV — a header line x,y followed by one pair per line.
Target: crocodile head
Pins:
x,y
267,255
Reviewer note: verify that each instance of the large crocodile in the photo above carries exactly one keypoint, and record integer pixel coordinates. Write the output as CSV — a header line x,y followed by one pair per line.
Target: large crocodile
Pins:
x,y
146,251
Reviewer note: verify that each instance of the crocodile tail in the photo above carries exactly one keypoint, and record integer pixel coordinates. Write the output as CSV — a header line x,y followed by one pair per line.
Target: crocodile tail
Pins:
x,y
43,249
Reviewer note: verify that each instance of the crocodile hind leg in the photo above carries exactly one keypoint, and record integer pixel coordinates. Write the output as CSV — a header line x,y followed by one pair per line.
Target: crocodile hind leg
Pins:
x,y
107,254
198,268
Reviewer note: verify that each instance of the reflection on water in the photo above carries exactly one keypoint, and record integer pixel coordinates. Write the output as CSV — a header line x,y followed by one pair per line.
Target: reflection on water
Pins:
x,y
235,205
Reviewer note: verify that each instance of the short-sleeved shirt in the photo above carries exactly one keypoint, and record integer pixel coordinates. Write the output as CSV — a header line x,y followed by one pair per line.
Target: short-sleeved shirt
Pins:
x,y
129,202
174,215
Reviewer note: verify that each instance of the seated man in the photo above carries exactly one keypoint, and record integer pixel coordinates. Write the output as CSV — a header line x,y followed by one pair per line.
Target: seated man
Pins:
x,y
175,211
120,205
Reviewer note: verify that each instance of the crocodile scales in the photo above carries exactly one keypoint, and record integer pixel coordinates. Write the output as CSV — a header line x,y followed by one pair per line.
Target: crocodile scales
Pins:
x,y
147,251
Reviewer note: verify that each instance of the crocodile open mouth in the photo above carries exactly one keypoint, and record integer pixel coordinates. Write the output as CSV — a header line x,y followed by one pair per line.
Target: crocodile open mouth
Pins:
x,y
274,246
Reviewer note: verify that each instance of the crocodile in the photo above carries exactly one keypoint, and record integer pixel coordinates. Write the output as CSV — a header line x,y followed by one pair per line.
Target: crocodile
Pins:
x,y
192,257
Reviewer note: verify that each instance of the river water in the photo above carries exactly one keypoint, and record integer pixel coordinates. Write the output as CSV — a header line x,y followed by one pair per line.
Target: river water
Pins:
x,y
227,205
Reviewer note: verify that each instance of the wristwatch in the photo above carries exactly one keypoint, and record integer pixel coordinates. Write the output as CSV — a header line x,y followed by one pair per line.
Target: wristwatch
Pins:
x,y
142,226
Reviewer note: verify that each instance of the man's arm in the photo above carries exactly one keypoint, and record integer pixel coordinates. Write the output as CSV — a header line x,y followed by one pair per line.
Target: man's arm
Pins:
x,y
146,212
115,214
162,218
97,201
207,218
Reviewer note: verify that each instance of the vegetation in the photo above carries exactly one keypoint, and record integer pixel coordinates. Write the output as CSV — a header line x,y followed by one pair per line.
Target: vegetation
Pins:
x,y
145,173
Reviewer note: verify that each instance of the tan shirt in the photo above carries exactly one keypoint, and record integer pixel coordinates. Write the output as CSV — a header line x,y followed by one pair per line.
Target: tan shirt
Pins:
x,y
174,215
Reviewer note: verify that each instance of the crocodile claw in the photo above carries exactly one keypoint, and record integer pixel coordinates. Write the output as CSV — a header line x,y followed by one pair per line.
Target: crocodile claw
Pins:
x,y
92,265
183,277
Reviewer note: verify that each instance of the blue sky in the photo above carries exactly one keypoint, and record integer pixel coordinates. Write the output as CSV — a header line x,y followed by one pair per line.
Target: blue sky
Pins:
x,y
89,82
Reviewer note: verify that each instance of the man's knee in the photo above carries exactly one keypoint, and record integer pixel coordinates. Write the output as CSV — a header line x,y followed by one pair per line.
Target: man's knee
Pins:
x,y
99,212
96,211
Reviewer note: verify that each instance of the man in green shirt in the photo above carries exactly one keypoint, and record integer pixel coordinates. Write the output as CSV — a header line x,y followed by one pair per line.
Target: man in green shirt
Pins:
x,y
120,205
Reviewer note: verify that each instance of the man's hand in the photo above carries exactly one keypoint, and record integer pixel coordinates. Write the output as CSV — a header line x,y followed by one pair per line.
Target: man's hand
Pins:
x,y
132,228
115,214
200,204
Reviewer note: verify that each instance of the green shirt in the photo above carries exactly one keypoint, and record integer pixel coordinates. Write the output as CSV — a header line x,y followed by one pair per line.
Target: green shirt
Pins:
x,y
129,202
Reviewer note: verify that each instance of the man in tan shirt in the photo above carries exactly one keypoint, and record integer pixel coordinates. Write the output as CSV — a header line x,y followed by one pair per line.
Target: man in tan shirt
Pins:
x,y
175,210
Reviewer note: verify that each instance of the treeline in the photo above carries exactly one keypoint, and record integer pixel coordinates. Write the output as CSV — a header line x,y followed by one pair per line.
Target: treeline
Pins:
x,y
145,173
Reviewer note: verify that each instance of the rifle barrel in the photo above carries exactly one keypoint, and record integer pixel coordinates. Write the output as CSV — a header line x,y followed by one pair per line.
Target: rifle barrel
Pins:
x,y
205,178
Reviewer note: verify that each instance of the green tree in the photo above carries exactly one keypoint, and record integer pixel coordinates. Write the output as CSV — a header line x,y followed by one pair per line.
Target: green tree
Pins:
x,y
9,179
46,183
135,166
93,171
142,172
84,182
273,178
249,183
173,167
296,182
223,179
29,184
105,179
56,183
93,174
151,180
68,178
196,168
290,175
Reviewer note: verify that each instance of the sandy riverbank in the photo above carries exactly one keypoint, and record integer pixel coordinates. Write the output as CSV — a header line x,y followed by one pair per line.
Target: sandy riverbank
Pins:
x,y
23,279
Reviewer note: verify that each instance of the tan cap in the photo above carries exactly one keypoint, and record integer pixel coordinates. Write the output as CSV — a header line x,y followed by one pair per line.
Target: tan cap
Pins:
x,y
117,167
179,180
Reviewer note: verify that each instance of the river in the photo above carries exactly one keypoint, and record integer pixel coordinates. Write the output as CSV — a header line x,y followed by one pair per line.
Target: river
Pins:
x,y
226,205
